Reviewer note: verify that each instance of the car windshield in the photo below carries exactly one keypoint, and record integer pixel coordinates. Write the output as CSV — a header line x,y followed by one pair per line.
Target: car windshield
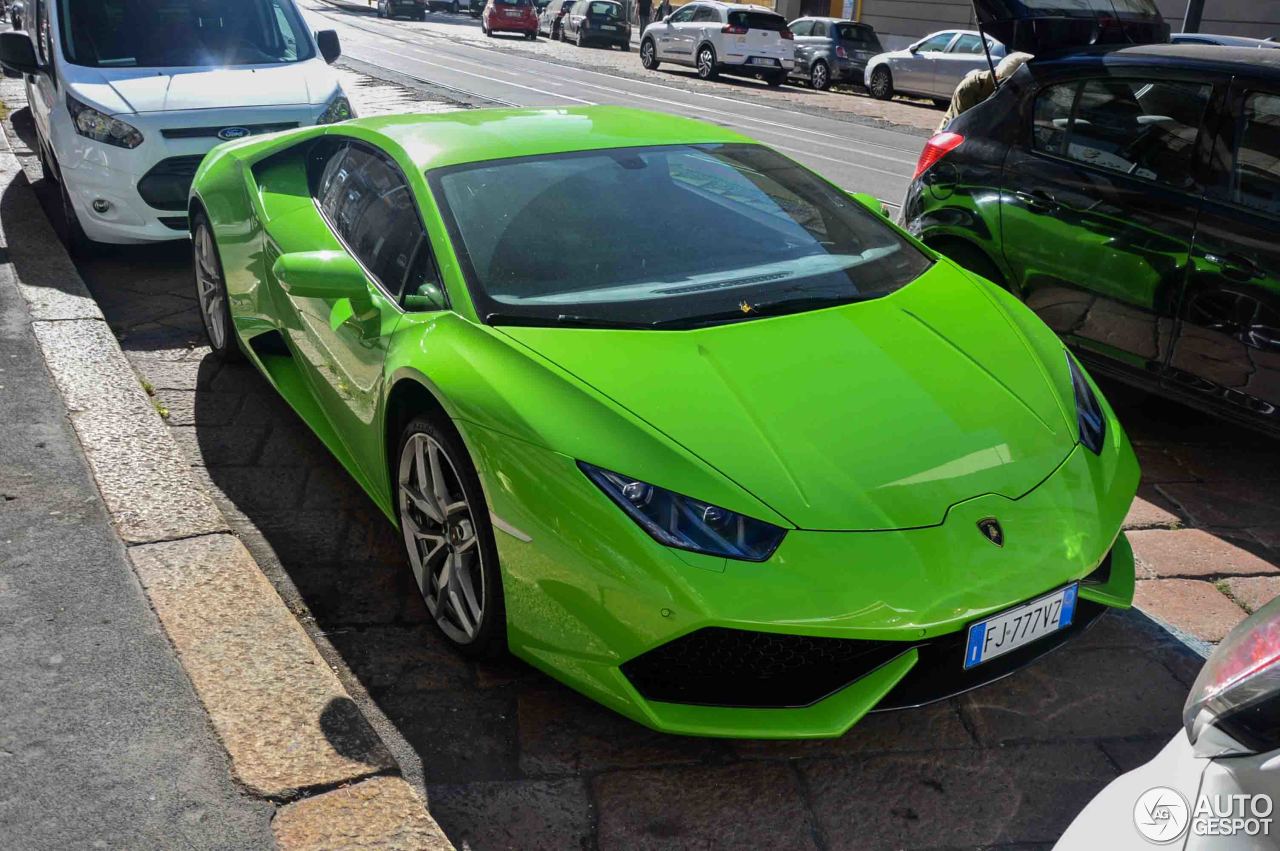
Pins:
x,y
182,33
602,9
758,21
863,38
671,236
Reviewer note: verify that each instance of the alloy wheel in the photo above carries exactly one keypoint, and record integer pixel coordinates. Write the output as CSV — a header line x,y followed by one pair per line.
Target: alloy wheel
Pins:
x,y
647,55
820,76
441,536
881,86
706,63
209,288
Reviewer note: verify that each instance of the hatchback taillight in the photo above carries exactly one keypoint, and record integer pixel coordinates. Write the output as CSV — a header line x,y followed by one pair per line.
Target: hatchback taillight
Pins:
x,y
787,34
730,29
841,53
1237,693
935,149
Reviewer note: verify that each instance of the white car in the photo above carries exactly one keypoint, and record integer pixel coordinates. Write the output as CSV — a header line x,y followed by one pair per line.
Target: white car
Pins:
x,y
722,38
1217,783
129,95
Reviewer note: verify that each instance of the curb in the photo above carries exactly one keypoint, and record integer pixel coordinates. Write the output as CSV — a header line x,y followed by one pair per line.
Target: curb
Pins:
x,y
292,733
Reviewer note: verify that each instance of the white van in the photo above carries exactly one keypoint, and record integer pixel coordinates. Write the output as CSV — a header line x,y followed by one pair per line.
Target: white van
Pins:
x,y
129,95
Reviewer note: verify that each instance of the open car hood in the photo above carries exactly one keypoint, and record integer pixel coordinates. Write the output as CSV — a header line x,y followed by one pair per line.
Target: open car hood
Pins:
x,y
872,416
1041,27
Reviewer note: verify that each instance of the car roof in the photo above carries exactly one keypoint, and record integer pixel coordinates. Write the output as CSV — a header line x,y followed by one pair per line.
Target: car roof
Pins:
x,y
1226,40
835,21
734,7
1215,56
480,135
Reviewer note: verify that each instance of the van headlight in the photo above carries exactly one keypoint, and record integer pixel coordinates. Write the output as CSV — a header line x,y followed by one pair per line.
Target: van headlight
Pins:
x,y
101,127
339,109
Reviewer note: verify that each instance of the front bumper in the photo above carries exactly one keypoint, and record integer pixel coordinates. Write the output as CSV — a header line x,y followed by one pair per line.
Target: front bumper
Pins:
x,y
588,593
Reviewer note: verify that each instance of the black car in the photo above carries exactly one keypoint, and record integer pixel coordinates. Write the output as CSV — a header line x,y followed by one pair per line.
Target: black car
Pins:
x,y
601,22
1130,197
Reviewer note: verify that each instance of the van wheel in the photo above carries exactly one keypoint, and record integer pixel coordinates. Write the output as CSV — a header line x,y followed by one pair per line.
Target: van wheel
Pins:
x,y
882,84
649,55
707,62
820,76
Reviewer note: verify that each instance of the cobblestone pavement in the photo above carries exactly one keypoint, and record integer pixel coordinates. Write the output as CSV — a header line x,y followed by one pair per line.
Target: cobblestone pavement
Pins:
x,y
848,101
508,758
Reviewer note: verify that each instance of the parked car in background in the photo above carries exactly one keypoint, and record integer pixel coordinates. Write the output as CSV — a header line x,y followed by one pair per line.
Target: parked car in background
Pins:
x,y
510,16
930,68
722,38
413,9
126,106
1224,40
1129,195
1226,756
551,18
832,50
600,22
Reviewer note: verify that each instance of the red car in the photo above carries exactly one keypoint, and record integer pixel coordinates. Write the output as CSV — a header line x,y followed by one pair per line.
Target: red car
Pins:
x,y
510,16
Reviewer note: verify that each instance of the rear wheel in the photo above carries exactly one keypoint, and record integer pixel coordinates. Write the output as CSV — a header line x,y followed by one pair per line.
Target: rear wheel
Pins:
x,y
882,84
820,76
707,62
649,55
448,536
211,291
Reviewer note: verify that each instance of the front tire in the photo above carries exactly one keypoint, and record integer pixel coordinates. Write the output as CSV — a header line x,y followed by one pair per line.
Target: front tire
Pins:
x,y
820,76
707,62
882,84
211,291
448,536
649,55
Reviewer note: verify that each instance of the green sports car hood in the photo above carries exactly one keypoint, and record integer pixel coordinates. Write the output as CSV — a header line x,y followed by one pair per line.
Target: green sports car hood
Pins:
x,y
870,416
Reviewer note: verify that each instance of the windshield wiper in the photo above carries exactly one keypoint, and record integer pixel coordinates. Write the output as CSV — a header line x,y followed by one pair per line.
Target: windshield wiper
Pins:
x,y
567,319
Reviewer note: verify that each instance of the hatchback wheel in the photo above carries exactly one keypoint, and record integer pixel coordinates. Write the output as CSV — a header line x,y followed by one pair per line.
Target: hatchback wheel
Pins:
x,y
881,84
211,291
707,62
448,536
820,76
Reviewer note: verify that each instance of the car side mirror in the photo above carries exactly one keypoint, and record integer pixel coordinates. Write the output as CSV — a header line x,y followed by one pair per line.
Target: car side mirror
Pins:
x,y
320,274
871,202
18,53
427,298
330,47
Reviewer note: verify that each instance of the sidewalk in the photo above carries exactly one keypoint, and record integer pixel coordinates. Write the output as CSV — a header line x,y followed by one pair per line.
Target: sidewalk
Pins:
x,y
103,743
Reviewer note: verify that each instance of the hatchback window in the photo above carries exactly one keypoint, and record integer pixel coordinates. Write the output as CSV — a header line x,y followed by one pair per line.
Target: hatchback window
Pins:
x,y
513,2
1256,177
684,14
182,33
707,14
820,29
1140,128
802,28
967,44
758,21
771,237
601,9
863,38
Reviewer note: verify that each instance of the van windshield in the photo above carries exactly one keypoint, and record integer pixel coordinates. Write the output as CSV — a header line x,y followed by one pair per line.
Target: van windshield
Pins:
x,y
182,33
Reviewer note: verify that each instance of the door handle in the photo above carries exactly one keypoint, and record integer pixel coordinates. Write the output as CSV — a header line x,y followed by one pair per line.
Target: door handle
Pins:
x,y
1237,266
1038,200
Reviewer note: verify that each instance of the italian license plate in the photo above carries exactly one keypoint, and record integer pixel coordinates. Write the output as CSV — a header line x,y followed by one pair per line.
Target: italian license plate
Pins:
x,y
1009,630
761,60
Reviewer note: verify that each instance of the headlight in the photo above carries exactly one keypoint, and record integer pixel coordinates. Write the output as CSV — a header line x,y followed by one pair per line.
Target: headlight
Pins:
x,y
1093,423
102,128
685,523
339,109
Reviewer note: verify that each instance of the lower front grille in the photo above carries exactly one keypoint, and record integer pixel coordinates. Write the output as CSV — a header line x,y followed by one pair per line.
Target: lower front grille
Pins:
x,y
175,222
731,667
166,185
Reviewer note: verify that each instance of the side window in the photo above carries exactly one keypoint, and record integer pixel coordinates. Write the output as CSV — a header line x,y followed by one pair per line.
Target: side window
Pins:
x,y
685,14
1255,178
967,44
706,14
820,29
936,43
44,44
1136,127
329,187
802,28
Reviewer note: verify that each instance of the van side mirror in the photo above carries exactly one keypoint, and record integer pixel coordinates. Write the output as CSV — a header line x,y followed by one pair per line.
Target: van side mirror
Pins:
x,y
330,47
320,274
18,53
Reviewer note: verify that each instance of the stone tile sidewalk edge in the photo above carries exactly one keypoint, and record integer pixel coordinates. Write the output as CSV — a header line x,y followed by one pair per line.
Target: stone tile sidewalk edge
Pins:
x,y
292,733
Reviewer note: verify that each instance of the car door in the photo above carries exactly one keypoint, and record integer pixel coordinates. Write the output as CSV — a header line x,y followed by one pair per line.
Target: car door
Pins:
x,y
675,41
914,72
965,54
1228,342
1098,211
342,342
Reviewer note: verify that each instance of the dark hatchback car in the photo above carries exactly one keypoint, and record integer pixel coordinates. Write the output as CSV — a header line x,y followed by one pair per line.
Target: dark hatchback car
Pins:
x,y
832,50
601,22
1131,197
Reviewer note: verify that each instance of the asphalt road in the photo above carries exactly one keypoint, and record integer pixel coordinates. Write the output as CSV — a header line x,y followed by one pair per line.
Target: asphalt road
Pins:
x,y
450,51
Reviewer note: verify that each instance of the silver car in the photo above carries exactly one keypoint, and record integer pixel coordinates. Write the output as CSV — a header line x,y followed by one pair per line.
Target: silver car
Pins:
x,y
932,67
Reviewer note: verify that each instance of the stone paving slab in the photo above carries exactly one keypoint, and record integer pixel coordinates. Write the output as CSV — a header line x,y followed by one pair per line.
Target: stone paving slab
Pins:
x,y
1196,553
1197,607
369,815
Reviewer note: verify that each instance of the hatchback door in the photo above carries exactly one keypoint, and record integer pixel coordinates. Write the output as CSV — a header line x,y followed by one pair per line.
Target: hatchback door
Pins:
x,y
1098,211
914,72
1228,343
759,37
675,38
